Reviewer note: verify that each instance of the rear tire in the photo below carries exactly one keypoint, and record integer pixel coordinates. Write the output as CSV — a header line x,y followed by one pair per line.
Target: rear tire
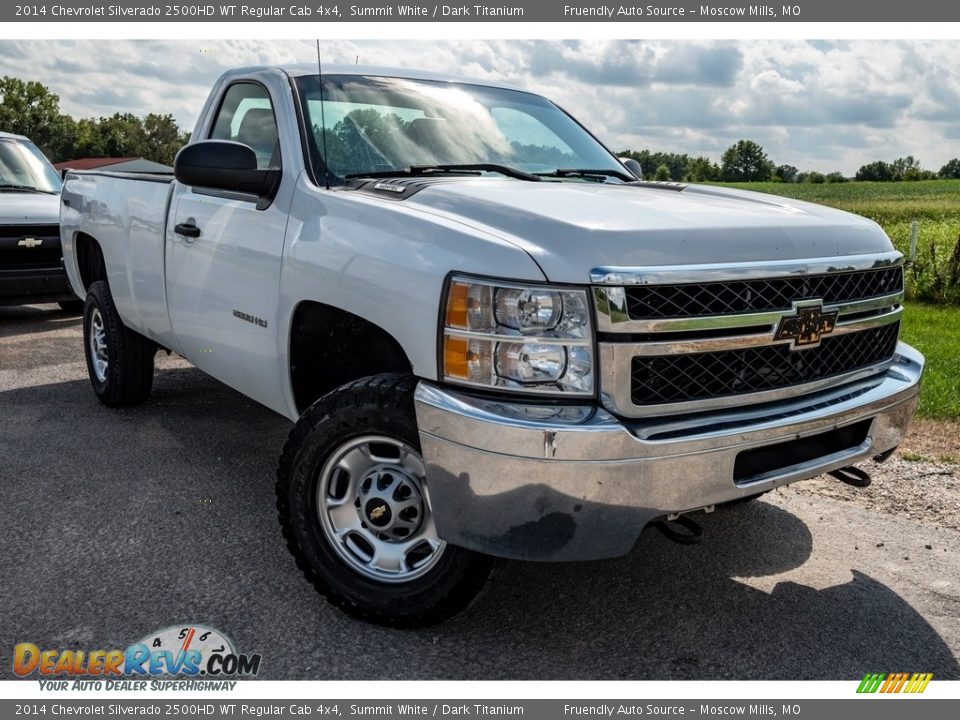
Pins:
x,y
119,360
355,509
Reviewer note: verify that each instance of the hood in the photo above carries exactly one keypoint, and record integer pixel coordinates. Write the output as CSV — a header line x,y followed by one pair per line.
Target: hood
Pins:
x,y
570,228
23,208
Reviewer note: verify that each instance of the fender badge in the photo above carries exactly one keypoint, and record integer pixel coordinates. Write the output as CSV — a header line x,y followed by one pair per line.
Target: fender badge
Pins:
x,y
249,318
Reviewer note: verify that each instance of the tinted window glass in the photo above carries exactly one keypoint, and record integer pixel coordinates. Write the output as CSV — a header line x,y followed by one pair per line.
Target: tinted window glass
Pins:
x,y
370,124
23,165
246,116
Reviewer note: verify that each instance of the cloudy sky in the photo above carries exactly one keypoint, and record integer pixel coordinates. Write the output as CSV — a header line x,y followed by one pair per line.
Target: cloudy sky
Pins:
x,y
819,105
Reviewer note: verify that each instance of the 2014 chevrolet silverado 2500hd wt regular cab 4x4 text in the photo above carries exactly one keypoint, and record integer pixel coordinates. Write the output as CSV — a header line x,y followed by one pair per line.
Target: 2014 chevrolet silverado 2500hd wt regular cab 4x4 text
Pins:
x,y
494,339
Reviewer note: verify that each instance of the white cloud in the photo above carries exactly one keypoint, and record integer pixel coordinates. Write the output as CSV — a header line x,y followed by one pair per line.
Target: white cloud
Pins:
x,y
823,105
770,81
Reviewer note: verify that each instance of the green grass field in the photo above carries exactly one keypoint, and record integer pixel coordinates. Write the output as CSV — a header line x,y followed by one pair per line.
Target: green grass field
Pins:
x,y
933,204
935,331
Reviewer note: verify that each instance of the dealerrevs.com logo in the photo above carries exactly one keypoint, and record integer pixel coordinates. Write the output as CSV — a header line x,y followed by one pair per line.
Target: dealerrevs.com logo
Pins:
x,y
187,651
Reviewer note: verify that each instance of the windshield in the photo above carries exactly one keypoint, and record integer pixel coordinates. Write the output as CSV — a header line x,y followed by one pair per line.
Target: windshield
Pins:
x,y
379,124
24,167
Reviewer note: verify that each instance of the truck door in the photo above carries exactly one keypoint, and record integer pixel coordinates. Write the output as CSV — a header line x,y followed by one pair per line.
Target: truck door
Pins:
x,y
223,260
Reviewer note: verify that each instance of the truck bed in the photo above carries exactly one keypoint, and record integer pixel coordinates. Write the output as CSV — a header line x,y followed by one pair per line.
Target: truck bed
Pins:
x,y
127,214
150,177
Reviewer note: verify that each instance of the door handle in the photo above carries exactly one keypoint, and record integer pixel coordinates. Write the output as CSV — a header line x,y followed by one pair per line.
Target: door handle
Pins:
x,y
187,230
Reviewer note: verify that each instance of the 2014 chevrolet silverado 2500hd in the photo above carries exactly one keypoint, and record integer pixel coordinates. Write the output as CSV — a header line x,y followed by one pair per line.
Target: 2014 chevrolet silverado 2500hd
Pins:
x,y
494,339
31,264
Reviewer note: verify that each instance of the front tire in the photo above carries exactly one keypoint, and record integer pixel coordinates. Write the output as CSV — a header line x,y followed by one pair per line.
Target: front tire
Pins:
x,y
355,510
119,360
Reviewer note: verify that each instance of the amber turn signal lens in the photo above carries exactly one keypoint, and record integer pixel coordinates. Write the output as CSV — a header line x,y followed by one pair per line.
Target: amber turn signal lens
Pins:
x,y
455,356
457,305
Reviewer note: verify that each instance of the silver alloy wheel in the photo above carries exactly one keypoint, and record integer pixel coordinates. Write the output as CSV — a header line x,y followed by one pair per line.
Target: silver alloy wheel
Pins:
x,y
98,345
375,511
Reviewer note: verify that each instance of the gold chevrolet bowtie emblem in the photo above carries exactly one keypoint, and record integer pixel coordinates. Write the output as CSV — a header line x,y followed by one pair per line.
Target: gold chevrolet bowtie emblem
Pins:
x,y
378,512
30,243
806,325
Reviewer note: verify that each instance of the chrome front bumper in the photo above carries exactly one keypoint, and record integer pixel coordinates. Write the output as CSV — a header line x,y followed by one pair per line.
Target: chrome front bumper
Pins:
x,y
576,483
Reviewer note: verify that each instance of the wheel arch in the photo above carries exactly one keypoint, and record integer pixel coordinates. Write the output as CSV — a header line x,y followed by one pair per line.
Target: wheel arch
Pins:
x,y
330,346
90,262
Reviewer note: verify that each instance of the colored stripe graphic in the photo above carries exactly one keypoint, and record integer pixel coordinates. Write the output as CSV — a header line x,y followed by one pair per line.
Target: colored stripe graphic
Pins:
x,y
919,682
894,683
890,683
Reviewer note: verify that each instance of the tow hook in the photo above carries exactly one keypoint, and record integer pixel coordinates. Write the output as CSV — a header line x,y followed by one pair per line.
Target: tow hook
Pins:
x,y
853,476
681,529
884,456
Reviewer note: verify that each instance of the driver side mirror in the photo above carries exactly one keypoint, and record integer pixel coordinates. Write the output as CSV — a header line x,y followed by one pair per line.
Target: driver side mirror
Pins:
x,y
633,166
225,165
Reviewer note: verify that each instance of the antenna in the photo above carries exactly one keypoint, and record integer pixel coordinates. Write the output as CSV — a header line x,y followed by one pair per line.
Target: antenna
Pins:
x,y
323,121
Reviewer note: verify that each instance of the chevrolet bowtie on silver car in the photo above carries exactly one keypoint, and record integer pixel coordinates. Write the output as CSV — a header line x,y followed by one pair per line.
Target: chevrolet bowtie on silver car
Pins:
x,y
494,339
31,264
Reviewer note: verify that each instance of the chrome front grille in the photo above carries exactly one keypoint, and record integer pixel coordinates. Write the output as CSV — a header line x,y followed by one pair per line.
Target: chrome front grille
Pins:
x,y
744,334
699,376
749,296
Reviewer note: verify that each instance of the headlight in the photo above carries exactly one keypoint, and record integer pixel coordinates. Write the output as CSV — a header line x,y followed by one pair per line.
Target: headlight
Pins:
x,y
530,338
528,310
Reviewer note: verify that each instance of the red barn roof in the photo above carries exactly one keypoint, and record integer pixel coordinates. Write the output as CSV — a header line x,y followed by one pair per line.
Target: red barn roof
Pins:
x,y
90,163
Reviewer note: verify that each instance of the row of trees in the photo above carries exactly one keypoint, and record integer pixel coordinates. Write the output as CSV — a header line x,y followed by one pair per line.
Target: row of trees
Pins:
x,y
906,168
746,161
30,108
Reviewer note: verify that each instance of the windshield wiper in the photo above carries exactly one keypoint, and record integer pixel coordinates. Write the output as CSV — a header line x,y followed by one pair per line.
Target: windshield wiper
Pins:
x,y
472,168
24,188
589,172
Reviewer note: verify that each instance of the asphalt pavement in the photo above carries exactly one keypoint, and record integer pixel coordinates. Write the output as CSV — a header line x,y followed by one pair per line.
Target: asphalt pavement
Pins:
x,y
118,523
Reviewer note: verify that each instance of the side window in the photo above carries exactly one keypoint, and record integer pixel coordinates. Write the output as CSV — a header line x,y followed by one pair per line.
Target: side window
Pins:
x,y
246,116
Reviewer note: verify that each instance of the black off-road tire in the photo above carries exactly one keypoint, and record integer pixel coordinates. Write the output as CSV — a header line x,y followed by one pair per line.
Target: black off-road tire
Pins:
x,y
129,372
379,405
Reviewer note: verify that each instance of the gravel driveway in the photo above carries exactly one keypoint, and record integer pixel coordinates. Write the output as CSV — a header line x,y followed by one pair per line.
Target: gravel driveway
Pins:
x,y
117,523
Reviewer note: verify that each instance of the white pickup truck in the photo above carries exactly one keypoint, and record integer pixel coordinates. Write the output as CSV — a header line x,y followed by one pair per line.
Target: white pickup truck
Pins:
x,y
31,265
494,338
